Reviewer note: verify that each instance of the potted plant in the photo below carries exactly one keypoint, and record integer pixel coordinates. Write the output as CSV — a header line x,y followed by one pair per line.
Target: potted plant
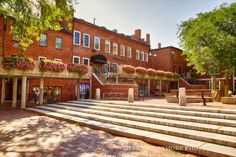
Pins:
x,y
53,66
129,69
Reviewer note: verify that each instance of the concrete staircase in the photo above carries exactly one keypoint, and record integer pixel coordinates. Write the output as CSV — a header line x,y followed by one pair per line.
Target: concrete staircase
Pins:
x,y
204,131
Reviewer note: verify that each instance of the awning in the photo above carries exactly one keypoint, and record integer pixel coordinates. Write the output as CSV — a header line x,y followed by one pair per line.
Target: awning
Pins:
x,y
99,59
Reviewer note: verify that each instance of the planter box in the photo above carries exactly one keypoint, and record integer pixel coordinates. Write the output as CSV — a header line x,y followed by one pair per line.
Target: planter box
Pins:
x,y
228,100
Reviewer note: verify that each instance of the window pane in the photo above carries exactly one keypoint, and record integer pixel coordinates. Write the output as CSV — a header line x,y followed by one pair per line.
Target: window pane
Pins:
x,y
115,48
59,43
43,40
77,38
76,60
86,62
86,40
107,46
96,43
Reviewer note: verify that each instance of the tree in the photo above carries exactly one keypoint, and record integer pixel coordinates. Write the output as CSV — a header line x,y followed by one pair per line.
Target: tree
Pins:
x,y
29,18
209,40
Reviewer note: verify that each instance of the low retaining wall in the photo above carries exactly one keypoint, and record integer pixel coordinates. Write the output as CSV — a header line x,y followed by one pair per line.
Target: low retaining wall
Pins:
x,y
228,100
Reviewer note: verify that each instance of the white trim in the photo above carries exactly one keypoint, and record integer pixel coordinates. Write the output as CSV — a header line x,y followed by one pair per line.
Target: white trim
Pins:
x,y
87,59
122,54
76,57
74,37
109,46
56,59
117,47
84,40
142,58
41,57
98,79
137,52
95,43
129,56
146,57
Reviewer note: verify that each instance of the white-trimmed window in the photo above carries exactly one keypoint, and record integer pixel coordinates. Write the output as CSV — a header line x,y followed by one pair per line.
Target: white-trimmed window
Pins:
x,y
58,42
86,40
77,38
146,57
76,59
115,48
85,61
142,56
58,60
129,52
96,43
41,58
107,46
43,39
137,54
122,50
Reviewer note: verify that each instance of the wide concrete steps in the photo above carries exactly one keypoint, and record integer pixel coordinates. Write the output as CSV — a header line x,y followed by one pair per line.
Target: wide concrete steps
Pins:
x,y
146,117
207,131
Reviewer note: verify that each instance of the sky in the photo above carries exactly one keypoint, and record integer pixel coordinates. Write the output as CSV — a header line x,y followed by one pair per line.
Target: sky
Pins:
x,y
160,18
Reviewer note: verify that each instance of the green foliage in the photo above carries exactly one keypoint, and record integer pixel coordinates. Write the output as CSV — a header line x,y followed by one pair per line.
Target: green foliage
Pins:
x,y
209,39
29,18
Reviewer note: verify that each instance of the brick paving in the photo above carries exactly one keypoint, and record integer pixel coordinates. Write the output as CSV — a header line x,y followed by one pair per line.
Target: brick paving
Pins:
x,y
24,134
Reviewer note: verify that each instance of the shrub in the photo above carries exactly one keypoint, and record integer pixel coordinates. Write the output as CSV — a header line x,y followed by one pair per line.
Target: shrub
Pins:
x,y
151,72
129,69
77,68
141,70
49,65
20,63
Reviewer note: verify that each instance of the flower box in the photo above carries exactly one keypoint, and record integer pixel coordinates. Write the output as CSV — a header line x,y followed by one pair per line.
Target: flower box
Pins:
x,y
53,66
160,73
128,69
19,63
169,74
77,68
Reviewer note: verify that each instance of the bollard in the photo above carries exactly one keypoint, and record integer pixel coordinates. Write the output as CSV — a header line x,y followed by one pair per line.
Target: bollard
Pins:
x,y
182,96
98,96
131,95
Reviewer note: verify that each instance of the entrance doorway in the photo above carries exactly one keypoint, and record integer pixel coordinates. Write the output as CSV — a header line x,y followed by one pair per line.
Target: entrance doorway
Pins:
x,y
84,91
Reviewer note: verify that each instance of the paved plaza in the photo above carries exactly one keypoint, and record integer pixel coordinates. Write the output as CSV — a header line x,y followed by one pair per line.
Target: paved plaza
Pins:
x,y
27,134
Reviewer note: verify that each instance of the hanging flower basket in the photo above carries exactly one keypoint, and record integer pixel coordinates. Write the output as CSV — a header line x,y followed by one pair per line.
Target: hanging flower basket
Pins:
x,y
19,63
53,66
151,72
160,73
77,68
141,70
169,74
128,69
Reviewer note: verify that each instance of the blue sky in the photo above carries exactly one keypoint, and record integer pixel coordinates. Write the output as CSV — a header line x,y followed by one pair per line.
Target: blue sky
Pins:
x,y
157,17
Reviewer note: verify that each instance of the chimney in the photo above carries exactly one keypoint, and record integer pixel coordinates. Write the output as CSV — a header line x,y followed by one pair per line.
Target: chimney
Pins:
x,y
137,34
159,45
148,38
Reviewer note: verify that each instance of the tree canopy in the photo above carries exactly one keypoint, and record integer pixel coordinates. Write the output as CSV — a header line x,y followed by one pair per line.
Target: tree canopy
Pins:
x,y
209,39
29,18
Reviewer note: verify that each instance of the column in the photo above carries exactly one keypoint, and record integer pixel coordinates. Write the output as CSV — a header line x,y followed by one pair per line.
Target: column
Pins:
x,y
3,91
160,89
90,89
148,86
23,92
41,87
213,83
78,89
14,92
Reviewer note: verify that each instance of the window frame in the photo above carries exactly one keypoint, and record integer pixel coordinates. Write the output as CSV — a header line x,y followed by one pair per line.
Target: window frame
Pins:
x,y
85,34
146,55
130,55
41,57
75,31
109,46
46,40
61,43
122,54
99,45
142,57
137,52
117,47
87,59
74,60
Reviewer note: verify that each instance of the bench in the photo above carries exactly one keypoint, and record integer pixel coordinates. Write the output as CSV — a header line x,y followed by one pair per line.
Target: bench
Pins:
x,y
204,94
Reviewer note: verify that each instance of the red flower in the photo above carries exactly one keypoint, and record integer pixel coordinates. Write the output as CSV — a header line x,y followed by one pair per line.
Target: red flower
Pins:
x,y
151,72
128,69
160,73
141,70
77,68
